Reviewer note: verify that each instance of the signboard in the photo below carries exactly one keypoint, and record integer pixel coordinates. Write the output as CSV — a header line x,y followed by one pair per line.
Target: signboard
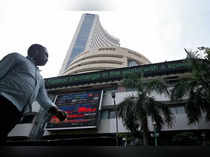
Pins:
x,y
164,68
81,108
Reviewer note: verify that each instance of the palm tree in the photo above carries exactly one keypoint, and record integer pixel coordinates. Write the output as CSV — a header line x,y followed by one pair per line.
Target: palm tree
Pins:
x,y
196,88
135,110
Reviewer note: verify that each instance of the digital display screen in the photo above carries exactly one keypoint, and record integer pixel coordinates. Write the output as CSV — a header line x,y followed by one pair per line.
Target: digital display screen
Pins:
x,y
81,108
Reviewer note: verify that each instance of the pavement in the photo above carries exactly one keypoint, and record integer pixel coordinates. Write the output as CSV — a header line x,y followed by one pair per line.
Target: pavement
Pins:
x,y
104,151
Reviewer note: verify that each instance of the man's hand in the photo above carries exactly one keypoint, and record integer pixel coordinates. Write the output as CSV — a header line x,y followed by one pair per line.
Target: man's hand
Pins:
x,y
61,115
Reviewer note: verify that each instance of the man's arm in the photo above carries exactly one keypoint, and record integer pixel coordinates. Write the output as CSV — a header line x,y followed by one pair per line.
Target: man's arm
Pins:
x,y
46,103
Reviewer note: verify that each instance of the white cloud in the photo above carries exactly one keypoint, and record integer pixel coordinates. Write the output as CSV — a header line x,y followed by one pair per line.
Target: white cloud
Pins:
x,y
87,5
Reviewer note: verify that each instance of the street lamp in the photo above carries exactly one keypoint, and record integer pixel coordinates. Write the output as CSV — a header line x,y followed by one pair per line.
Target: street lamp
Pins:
x,y
155,132
113,97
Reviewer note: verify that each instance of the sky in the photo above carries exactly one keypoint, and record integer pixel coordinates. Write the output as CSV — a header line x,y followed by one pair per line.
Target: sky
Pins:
x,y
158,29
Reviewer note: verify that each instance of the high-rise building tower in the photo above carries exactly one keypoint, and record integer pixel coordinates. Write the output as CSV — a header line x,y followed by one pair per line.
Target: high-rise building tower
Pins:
x,y
89,35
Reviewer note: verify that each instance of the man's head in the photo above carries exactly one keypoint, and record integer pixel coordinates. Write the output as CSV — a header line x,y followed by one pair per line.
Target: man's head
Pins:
x,y
38,53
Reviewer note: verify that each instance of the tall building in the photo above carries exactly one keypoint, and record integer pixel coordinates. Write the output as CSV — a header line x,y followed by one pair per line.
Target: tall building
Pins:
x,y
89,35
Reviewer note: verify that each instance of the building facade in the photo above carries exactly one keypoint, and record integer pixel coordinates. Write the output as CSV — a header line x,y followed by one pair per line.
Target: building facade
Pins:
x,y
105,58
87,98
89,35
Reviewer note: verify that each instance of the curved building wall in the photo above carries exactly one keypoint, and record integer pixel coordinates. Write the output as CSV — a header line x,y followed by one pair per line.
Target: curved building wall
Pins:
x,y
105,58
100,38
89,35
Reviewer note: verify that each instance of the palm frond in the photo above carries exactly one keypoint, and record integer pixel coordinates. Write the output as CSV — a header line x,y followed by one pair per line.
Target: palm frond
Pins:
x,y
126,111
193,109
180,89
156,85
168,115
126,106
150,105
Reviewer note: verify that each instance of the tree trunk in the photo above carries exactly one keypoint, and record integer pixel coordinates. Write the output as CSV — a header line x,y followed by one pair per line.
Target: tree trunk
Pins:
x,y
145,132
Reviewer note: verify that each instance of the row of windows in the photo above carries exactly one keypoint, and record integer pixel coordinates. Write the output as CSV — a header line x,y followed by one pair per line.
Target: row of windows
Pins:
x,y
82,37
177,110
111,49
110,114
111,62
107,37
100,40
94,56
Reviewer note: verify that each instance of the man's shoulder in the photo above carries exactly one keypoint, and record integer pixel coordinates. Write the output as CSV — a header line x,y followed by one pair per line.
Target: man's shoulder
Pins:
x,y
16,55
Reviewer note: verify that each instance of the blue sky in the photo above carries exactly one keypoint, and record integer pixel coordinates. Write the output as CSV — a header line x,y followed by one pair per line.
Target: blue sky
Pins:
x,y
158,29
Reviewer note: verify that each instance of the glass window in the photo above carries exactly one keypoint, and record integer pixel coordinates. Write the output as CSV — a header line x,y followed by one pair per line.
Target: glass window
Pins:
x,y
112,114
178,109
82,37
132,63
173,110
104,115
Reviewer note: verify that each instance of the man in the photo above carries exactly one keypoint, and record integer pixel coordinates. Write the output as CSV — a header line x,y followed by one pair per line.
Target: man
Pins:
x,y
20,85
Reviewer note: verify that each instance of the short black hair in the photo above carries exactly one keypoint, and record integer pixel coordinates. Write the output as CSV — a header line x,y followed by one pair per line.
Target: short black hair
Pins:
x,y
35,49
